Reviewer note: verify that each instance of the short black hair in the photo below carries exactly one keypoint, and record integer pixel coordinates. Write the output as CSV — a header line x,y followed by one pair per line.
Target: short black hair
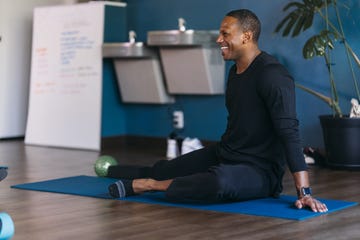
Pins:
x,y
248,21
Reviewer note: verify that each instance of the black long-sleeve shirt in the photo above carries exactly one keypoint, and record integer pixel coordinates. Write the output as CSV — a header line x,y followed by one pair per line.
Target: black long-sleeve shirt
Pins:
x,y
262,128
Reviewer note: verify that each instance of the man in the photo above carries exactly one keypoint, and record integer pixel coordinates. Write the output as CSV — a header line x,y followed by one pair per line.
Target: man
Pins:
x,y
260,138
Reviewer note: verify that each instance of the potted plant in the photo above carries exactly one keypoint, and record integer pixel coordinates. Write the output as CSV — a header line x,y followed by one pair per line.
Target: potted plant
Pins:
x,y
341,133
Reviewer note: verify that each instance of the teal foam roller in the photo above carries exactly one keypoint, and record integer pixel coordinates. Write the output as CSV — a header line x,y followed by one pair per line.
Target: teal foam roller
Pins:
x,y
7,228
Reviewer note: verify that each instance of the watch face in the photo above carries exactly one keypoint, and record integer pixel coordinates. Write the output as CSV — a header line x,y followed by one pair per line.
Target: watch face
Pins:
x,y
306,191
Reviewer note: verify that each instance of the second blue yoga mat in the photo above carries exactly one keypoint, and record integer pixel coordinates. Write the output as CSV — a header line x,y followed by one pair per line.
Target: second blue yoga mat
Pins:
x,y
91,186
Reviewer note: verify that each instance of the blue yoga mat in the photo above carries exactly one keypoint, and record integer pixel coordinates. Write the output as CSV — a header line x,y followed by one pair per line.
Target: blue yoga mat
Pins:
x,y
91,186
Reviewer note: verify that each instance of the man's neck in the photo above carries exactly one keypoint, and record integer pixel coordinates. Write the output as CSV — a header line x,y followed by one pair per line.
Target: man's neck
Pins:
x,y
243,63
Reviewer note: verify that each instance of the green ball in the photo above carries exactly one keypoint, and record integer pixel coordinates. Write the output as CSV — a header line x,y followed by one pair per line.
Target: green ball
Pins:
x,y
102,165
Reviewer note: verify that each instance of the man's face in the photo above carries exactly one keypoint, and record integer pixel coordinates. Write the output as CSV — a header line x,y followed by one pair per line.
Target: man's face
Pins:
x,y
230,39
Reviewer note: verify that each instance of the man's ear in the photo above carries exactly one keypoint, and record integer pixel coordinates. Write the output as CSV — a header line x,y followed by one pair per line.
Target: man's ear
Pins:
x,y
247,37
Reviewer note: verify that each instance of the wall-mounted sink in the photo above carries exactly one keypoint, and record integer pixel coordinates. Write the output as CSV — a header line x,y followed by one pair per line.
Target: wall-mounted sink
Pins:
x,y
191,60
182,37
129,49
138,71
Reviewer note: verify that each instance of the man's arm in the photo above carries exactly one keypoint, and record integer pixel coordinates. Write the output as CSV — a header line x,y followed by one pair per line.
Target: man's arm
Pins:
x,y
302,180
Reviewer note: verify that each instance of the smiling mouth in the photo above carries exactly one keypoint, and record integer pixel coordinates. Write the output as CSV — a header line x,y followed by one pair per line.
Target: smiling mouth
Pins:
x,y
223,48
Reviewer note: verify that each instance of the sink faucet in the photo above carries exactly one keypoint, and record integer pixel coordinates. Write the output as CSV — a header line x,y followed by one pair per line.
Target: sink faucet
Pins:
x,y
182,22
132,36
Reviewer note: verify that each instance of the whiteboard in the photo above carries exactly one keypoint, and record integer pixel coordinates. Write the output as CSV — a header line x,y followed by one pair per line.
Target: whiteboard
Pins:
x,y
66,77
15,48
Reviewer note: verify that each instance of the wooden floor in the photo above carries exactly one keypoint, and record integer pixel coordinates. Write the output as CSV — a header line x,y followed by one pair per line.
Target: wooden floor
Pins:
x,y
41,215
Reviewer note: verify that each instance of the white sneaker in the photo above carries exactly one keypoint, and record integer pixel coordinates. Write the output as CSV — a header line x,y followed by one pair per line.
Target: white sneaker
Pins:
x,y
190,144
309,160
172,149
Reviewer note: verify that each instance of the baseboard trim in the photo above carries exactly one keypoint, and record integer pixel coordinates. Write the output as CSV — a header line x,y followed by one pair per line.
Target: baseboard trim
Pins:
x,y
141,141
127,140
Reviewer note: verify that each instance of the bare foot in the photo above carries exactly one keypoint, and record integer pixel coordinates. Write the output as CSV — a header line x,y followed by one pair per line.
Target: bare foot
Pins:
x,y
142,185
148,184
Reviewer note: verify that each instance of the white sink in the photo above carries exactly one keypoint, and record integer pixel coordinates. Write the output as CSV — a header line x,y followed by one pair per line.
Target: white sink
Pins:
x,y
128,50
182,38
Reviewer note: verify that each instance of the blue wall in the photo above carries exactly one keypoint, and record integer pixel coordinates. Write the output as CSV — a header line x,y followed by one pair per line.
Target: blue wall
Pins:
x,y
205,116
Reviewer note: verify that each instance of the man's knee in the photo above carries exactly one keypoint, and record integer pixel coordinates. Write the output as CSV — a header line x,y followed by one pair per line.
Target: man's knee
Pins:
x,y
204,187
236,183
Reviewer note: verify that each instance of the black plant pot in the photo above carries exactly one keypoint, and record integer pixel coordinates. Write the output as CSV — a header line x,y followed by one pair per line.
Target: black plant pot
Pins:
x,y
342,141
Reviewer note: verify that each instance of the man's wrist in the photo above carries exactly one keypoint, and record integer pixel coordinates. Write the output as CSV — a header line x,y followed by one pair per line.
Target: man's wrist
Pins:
x,y
304,192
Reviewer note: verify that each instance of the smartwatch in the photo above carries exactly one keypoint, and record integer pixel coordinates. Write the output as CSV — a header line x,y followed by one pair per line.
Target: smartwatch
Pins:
x,y
304,191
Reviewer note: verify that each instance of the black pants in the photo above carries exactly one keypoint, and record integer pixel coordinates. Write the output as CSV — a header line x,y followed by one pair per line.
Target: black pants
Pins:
x,y
200,176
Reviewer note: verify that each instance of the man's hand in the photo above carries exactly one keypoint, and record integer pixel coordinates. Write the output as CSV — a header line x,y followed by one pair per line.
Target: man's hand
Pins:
x,y
308,201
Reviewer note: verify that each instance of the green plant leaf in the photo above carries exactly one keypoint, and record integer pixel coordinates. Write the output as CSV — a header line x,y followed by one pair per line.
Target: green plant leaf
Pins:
x,y
308,21
291,23
299,25
293,4
317,44
300,18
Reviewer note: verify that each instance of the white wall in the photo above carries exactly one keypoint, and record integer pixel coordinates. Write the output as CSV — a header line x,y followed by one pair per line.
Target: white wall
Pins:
x,y
15,49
